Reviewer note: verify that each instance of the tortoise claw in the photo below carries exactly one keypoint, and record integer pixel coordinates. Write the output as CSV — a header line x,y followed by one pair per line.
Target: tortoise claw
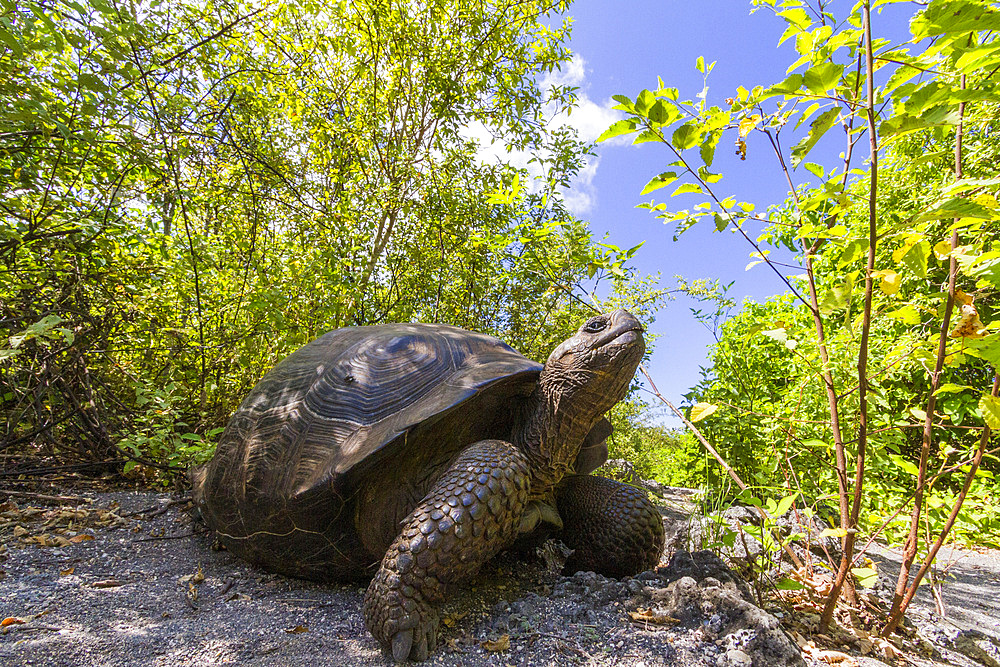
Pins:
x,y
401,643
403,646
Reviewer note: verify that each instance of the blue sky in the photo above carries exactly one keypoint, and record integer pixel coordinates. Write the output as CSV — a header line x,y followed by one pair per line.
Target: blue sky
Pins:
x,y
621,48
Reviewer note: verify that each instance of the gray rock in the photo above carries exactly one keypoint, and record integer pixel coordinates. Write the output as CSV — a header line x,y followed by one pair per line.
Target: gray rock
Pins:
x,y
700,591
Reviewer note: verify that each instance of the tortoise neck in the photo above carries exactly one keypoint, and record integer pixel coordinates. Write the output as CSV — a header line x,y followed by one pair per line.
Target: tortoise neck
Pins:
x,y
554,426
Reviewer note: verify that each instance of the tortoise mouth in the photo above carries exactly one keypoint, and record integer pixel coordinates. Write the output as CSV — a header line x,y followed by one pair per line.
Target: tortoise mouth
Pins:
x,y
623,336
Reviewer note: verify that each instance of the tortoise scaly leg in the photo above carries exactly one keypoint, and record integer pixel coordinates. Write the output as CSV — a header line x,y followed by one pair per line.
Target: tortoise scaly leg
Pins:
x,y
472,512
612,527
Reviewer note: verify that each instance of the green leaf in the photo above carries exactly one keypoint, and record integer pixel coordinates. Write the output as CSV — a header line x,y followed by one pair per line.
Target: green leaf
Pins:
x,y
789,86
701,410
867,577
659,113
645,100
11,42
814,169
951,388
685,136
907,315
958,207
687,188
904,465
617,128
658,182
916,257
785,504
823,77
648,135
817,129
787,584
624,103
779,335
989,406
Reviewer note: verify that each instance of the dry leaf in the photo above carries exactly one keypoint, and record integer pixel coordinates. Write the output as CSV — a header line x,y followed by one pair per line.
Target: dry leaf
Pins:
x,y
68,571
888,650
76,539
43,540
11,620
450,620
298,629
105,583
835,658
652,616
196,578
501,643
238,596
20,531
969,324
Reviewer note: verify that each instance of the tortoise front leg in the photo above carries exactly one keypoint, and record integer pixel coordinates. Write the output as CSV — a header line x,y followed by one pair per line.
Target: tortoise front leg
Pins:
x,y
612,527
472,512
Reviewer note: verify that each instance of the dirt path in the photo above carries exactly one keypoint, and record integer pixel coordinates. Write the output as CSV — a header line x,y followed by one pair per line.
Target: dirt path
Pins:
x,y
145,591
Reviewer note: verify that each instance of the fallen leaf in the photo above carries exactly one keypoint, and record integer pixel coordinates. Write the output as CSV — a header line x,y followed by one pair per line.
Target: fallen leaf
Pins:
x,y
20,531
450,620
835,658
10,620
238,596
105,583
501,643
68,571
199,576
298,629
76,539
652,616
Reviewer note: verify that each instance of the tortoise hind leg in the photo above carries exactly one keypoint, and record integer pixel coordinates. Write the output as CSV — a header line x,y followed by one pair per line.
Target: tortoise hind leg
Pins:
x,y
612,527
472,512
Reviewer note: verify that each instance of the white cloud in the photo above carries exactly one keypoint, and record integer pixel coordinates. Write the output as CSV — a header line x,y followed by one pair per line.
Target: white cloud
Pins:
x,y
588,118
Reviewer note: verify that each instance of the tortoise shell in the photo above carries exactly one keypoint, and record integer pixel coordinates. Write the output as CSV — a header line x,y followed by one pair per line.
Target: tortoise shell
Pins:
x,y
385,405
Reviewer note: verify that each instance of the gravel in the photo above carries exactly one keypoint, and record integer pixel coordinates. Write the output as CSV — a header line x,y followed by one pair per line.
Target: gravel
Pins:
x,y
149,590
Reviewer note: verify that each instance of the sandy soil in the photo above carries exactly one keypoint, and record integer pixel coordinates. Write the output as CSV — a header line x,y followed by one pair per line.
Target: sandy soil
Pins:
x,y
139,588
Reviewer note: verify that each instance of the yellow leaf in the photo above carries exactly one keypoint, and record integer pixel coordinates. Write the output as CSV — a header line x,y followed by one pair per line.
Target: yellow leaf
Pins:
x,y
11,620
889,282
990,407
501,643
986,199
833,532
701,410
942,249
66,572
76,539
297,630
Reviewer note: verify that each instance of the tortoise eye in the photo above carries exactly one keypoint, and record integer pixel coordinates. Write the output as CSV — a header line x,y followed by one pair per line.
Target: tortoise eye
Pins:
x,y
595,325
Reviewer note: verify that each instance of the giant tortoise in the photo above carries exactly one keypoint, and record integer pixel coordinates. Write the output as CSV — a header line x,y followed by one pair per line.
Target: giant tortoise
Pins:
x,y
416,452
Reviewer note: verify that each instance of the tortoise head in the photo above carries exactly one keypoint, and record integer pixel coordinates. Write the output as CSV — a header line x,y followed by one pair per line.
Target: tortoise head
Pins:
x,y
591,371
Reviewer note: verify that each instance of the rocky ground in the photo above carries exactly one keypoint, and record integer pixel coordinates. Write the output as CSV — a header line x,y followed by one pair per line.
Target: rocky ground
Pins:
x,y
122,579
